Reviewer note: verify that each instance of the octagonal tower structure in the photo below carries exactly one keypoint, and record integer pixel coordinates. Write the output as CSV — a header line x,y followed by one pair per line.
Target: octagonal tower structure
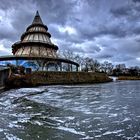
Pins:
x,y
35,47
35,41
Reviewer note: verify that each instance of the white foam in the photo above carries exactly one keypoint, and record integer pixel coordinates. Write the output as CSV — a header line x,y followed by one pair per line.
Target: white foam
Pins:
x,y
97,118
112,115
70,118
71,130
126,119
137,136
13,124
114,78
38,123
62,119
28,107
95,102
57,119
112,132
98,136
27,90
87,138
101,107
125,107
11,137
82,109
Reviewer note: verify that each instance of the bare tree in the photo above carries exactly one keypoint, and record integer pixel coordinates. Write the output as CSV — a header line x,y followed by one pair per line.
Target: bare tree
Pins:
x,y
107,67
86,64
67,54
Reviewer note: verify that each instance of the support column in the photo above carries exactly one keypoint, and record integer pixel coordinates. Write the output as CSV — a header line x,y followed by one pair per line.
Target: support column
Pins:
x,y
61,66
77,68
68,67
47,67
71,67
56,67
16,62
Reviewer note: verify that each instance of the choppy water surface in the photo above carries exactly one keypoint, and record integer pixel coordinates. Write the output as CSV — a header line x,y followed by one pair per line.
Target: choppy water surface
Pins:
x,y
98,112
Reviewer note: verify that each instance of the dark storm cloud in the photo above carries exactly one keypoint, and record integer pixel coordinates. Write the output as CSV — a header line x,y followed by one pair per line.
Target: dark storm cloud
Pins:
x,y
128,17
116,31
104,30
127,11
121,11
136,1
104,56
5,4
54,11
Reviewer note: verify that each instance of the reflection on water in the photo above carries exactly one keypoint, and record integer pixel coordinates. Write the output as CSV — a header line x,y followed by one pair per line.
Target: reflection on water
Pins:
x,y
101,112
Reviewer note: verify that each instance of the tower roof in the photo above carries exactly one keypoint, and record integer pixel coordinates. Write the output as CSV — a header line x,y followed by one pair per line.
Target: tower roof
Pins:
x,y
37,19
35,35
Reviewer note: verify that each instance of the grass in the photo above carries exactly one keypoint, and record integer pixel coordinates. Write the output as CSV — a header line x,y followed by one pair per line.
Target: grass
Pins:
x,y
128,78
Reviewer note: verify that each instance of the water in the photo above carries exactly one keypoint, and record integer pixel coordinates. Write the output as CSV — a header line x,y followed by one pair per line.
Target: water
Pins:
x,y
85,112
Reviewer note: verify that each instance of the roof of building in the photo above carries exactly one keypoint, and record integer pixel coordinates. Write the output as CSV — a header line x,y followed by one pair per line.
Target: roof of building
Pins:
x,y
37,32
37,19
12,57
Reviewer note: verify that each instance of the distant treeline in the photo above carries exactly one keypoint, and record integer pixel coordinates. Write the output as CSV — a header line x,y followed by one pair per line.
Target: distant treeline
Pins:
x,y
88,64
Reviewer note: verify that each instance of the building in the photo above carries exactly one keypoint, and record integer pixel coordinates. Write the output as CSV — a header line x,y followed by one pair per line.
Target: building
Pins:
x,y
36,50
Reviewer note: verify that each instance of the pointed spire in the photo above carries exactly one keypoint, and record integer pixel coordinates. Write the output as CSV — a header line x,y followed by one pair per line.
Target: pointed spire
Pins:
x,y
37,13
37,19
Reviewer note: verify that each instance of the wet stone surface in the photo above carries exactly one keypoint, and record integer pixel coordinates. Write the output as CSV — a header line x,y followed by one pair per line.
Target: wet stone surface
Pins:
x,y
98,112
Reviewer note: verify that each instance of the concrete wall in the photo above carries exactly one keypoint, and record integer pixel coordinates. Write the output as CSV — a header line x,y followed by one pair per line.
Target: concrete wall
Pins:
x,y
4,74
67,77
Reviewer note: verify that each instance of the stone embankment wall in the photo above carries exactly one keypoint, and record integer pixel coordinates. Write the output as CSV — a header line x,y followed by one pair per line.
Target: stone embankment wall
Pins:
x,y
39,78
55,78
4,74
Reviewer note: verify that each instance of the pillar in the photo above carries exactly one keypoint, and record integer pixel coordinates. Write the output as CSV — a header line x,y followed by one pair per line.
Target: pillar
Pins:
x,y
16,62
70,67
61,66
77,68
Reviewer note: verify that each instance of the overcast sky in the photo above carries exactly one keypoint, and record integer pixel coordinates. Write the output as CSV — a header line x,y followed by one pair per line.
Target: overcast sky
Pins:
x,y
101,29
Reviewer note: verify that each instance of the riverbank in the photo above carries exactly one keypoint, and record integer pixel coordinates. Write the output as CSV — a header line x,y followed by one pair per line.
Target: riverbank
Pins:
x,y
128,78
56,78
